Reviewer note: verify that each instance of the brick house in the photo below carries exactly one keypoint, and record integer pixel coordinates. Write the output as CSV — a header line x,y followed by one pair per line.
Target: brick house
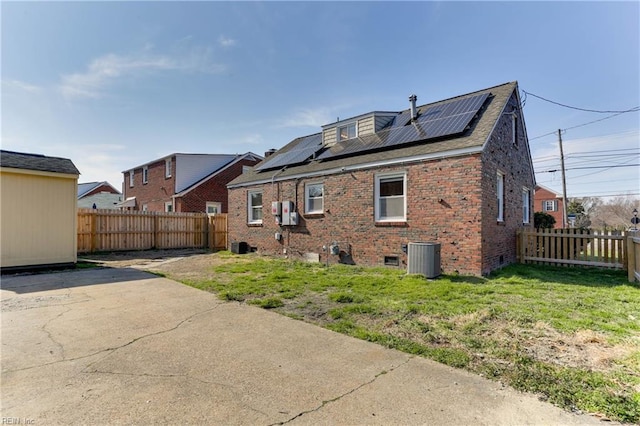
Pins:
x,y
457,172
548,201
184,182
101,194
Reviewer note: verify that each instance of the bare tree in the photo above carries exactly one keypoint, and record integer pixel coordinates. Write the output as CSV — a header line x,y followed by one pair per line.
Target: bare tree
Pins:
x,y
615,213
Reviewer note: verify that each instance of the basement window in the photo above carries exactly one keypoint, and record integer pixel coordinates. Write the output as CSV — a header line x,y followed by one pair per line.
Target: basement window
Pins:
x,y
391,261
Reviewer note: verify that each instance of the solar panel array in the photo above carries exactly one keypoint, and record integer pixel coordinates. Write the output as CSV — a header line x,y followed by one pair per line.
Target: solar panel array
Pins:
x,y
440,120
299,153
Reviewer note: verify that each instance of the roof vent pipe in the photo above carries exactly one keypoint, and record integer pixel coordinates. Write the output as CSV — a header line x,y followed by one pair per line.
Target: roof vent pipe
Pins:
x,y
414,111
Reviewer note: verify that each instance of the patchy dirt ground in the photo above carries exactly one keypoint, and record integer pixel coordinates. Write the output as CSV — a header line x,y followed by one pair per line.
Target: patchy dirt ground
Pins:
x,y
584,349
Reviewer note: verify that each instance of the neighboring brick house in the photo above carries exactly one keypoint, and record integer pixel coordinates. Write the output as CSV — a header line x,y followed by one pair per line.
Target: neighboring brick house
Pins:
x,y
548,201
184,182
99,194
457,172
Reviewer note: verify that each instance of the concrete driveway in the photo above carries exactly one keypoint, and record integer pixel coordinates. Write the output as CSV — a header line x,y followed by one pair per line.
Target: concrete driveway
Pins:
x,y
121,346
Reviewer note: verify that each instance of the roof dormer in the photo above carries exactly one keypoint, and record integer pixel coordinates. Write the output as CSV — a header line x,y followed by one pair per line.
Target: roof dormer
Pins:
x,y
351,128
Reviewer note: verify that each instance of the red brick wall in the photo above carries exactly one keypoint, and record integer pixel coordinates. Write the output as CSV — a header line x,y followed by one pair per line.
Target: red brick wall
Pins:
x,y
214,189
442,206
500,154
451,201
156,191
101,188
543,195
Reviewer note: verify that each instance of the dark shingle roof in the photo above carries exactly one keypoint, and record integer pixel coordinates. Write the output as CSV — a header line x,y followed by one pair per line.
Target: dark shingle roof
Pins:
x,y
473,138
21,160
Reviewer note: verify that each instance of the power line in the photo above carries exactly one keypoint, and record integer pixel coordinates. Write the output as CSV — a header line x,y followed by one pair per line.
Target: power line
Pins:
x,y
623,152
590,167
590,194
634,109
585,182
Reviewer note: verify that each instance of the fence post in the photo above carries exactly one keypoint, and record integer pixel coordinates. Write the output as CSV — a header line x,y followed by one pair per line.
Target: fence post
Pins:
x,y
92,227
631,257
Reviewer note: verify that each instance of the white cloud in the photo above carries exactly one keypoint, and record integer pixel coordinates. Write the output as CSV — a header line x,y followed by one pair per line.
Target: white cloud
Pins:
x,y
226,41
108,68
21,85
253,139
309,118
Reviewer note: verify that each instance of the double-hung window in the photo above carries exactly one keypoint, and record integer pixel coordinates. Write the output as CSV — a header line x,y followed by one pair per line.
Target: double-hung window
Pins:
x,y
550,205
168,206
254,206
500,196
391,197
167,168
526,203
145,174
130,178
314,198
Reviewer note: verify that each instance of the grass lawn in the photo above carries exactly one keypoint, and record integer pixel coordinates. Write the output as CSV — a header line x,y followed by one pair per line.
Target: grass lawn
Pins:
x,y
570,335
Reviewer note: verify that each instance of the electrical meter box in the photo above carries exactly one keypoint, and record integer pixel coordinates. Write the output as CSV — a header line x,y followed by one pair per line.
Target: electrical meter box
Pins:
x,y
289,216
276,208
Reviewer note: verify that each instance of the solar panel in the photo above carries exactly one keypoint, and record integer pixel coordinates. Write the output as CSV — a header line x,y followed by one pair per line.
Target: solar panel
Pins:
x,y
299,153
440,120
460,106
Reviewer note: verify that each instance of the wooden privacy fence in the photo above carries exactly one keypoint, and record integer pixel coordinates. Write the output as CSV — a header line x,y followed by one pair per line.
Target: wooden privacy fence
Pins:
x,y
113,230
573,247
633,254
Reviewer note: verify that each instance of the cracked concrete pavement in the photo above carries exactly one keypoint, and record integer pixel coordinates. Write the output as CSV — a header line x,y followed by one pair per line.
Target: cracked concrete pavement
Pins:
x,y
116,346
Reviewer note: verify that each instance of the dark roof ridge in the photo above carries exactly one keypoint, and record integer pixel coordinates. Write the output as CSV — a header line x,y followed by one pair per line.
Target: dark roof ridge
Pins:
x,y
37,162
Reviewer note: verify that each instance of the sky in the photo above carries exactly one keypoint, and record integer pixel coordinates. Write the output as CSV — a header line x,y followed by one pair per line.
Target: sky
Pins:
x,y
113,85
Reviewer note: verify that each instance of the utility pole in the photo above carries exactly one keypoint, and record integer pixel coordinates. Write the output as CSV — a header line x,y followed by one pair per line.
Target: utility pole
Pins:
x,y
564,183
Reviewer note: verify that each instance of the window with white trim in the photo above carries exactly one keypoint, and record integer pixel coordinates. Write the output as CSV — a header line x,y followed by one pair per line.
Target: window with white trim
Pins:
x,y
314,198
348,131
167,168
391,197
500,196
550,205
526,203
254,206
145,208
168,206
145,174
130,178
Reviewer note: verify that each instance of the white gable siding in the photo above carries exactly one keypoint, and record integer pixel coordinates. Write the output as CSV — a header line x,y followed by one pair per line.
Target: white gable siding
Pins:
x,y
190,168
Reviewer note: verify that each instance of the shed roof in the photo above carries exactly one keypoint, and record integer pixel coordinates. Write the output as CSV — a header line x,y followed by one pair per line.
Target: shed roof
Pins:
x,y
26,161
471,140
